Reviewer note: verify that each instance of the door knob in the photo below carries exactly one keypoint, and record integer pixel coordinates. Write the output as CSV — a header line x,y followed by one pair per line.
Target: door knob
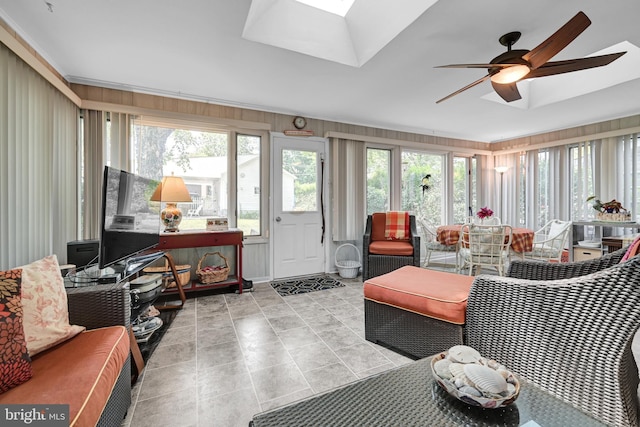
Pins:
x,y
278,219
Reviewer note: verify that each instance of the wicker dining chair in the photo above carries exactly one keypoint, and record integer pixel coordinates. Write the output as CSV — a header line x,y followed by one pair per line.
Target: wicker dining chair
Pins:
x,y
485,246
429,240
549,241
571,337
376,260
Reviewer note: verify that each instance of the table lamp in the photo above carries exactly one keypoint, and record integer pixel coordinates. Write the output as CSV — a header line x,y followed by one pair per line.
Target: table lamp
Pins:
x,y
171,190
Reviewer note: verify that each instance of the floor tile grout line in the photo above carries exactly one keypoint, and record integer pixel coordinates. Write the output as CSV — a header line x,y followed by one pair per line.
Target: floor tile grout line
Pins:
x,y
244,360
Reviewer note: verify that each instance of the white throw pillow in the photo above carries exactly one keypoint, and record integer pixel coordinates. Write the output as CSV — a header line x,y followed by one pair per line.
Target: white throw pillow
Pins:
x,y
44,304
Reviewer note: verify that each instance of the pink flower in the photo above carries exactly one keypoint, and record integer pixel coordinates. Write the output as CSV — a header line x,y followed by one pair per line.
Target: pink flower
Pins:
x,y
485,213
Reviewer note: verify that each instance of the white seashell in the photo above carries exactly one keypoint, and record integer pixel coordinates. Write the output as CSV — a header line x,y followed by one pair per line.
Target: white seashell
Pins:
x,y
486,379
504,372
470,391
493,364
442,369
460,381
456,369
463,354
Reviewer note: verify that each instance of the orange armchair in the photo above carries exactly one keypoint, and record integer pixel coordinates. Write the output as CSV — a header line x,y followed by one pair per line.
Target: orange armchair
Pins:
x,y
381,255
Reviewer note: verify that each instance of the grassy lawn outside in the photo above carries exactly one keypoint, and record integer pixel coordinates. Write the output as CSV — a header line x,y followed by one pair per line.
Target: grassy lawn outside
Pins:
x,y
200,223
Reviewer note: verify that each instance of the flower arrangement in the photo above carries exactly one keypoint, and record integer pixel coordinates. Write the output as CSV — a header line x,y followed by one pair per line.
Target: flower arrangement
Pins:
x,y
424,183
484,213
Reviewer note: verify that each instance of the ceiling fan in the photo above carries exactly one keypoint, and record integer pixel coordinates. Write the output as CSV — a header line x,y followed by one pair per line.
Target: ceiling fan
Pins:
x,y
514,65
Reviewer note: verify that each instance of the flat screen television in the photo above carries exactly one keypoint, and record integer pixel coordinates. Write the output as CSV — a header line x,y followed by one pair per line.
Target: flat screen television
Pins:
x,y
130,222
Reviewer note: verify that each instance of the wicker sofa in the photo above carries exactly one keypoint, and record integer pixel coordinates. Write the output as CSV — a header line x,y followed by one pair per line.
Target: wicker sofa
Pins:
x,y
571,336
90,372
541,270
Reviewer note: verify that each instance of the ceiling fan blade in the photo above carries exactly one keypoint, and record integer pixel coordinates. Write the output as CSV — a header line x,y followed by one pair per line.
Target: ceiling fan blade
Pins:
x,y
546,50
508,92
474,66
559,67
477,82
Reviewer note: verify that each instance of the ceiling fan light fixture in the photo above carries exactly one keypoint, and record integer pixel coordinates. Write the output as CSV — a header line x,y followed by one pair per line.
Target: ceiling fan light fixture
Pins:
x,y
511,74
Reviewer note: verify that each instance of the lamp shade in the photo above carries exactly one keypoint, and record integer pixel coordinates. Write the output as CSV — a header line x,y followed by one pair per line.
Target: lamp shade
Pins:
x,y
499,169
171,189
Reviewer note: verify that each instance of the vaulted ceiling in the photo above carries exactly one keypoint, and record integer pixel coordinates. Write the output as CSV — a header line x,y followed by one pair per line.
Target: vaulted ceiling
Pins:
x,y
374,67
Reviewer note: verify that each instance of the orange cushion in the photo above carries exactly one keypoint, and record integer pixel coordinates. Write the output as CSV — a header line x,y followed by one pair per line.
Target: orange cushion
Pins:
x,y
391,247
378,226
80,372
431,293
633,250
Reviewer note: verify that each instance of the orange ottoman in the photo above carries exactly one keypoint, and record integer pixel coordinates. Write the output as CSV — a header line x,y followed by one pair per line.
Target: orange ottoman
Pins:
x,y
416,311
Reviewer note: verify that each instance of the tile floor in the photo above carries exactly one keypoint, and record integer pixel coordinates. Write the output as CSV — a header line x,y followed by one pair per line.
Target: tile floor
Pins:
x,y
227,357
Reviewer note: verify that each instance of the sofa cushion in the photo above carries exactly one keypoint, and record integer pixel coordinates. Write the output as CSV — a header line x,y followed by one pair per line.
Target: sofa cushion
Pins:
x,y
80,372
391,247
15,363
44,299
634,249
378,227
436,294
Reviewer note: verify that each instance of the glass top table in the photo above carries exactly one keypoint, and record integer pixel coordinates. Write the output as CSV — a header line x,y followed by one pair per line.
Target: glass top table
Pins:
x,y
409,395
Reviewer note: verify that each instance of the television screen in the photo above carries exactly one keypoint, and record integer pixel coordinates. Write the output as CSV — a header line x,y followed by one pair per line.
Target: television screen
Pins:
x,y
130,221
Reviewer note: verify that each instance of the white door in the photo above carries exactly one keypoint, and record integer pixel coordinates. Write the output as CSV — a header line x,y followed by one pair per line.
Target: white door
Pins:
x,y
297,209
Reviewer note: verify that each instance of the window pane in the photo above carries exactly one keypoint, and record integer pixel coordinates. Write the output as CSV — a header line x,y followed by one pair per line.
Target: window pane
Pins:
x,y
543,189
427,204
299,180
461,203
200,158
581,181
249,184
378,180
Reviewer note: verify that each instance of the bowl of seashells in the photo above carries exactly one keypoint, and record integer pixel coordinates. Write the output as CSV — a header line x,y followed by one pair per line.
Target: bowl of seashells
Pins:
x,y
474,379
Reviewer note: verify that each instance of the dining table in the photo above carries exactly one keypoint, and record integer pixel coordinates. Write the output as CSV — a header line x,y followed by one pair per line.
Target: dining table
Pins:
x,y
521,241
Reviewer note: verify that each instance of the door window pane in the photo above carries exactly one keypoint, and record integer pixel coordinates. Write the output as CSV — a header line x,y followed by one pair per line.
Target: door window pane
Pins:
x,y
299,181
249,173
378,180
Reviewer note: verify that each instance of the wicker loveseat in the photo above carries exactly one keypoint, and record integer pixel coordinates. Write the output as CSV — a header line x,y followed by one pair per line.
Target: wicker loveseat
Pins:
x,y
90,372
571,336
541,270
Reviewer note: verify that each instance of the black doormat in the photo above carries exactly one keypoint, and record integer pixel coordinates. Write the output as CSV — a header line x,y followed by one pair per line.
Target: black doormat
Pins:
x,y
306,284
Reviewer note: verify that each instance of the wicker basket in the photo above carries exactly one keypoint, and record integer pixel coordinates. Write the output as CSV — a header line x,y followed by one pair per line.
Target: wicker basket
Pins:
x,y
219,274
184,273
348,269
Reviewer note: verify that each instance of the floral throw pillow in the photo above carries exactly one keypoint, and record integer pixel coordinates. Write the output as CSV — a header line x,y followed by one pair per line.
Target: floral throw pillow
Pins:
x,y
15,363
44,300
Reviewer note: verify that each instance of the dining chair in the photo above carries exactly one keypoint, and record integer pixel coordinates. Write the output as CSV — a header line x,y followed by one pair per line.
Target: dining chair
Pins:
x,y
429,238
549,241
492,220
485,246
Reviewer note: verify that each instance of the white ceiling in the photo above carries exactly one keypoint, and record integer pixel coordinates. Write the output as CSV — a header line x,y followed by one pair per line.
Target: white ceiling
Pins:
x,y
196,50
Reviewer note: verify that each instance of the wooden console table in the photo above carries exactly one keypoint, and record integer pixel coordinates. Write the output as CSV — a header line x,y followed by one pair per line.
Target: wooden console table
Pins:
x,y
200,238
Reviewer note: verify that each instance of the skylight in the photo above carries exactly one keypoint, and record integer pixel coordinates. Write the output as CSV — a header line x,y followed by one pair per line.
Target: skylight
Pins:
x,y
338,7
